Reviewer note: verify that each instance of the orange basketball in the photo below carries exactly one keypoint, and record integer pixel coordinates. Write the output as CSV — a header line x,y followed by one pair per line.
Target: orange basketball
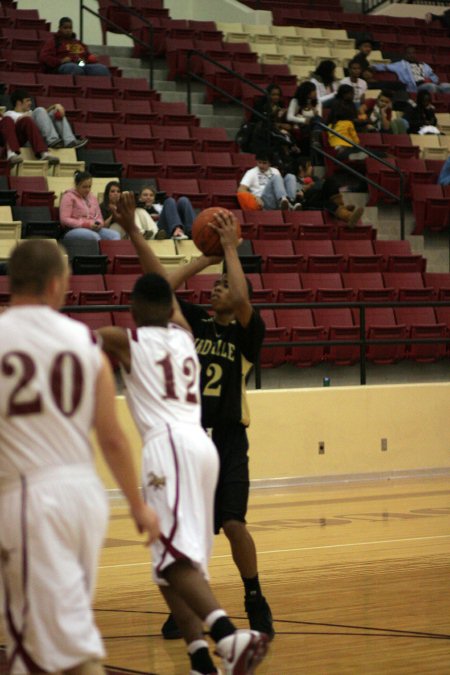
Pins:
x,y
205,238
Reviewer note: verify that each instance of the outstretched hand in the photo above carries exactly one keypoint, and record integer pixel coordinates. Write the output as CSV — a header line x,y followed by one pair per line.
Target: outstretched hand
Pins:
x,y
124,212
225,224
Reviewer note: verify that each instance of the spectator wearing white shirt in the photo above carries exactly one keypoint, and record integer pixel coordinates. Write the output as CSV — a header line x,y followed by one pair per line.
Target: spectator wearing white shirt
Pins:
x,y
304,106
324,77
304,111
355,80
267,185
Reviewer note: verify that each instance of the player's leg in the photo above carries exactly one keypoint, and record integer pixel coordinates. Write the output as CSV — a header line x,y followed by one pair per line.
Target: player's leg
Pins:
x,y
231,501
191,629
190,596
56,583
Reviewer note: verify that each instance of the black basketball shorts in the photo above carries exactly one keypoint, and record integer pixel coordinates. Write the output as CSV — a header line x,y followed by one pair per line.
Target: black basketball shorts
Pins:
x,y
233,485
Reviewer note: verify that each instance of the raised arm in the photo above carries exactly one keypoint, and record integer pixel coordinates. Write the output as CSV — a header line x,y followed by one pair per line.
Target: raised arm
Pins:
x,y
124,214
225,224
117,453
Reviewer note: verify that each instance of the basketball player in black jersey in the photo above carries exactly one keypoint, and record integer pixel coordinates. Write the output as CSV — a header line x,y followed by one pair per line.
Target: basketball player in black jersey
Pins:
x,y
227,345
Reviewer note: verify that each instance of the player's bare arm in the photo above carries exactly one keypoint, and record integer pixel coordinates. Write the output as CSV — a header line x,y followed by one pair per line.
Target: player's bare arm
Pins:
x,y
114,341
225,224
195,266
117,453
125,215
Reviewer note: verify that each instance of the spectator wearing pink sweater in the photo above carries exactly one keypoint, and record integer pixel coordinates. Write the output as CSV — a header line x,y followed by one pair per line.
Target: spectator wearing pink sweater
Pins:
x,y
80,214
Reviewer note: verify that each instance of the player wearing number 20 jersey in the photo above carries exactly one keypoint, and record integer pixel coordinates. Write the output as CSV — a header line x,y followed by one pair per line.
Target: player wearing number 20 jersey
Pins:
x,y
46,411
47,390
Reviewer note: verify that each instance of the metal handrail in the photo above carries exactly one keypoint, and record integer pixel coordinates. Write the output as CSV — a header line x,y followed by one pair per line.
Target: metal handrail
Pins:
x,y
122,31
400,198
363,341
368,6
191,75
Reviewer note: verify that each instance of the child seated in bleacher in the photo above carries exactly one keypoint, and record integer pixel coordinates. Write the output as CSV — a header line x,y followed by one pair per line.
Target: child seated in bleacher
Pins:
x,y
377,115
342,120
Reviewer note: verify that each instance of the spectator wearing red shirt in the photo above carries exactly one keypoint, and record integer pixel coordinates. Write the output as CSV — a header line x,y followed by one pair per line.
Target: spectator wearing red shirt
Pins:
x,y
65,54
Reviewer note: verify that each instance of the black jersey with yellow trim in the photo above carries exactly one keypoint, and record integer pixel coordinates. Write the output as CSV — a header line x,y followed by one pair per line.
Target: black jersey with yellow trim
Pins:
x,y
226,355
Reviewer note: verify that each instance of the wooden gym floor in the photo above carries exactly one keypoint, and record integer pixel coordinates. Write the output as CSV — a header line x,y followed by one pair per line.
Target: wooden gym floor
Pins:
x,y
357,576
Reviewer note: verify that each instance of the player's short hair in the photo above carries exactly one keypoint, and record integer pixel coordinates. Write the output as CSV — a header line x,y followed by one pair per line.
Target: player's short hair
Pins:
x,y
152,300
32,265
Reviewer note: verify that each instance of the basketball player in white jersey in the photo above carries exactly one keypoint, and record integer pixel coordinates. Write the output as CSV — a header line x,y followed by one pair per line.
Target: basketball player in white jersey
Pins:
x,y
55,384
180,467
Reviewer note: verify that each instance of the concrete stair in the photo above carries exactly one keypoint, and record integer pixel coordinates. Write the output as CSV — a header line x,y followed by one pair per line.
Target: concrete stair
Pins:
x,y
229,116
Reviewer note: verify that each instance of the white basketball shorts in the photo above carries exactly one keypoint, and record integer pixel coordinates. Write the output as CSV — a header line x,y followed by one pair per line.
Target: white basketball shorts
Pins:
x,y
179,476
52,526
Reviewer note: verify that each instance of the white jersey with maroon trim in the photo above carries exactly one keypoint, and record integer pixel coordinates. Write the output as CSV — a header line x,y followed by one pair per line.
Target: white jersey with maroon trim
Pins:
x,y
48,370
163,384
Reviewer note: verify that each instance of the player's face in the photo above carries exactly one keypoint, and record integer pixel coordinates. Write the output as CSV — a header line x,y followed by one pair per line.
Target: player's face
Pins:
x,y
220,296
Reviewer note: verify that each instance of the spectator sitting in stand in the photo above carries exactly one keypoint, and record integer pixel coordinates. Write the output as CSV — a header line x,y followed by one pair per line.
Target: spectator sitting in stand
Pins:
x,y
317,193
341,120
52,123
324,77
415,75
63,53
143,220
175,217
365,46
80,214
419,115
355,81
376,114
27,132
268,189
303,112
9,139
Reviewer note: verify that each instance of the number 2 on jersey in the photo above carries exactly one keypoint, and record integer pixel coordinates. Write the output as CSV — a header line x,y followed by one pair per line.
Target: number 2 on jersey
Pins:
x,y
189,369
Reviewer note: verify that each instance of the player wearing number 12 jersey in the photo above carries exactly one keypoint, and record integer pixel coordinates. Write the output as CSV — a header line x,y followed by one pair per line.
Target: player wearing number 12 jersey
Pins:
x,y
227,343
180,465
55,384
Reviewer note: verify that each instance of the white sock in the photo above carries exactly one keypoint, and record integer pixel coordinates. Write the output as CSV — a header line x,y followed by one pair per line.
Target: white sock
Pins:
x,y
195,645
213,616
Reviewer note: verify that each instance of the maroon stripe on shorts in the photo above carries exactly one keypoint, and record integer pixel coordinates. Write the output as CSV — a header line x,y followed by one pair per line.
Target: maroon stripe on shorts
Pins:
x,y
167,541
19,635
